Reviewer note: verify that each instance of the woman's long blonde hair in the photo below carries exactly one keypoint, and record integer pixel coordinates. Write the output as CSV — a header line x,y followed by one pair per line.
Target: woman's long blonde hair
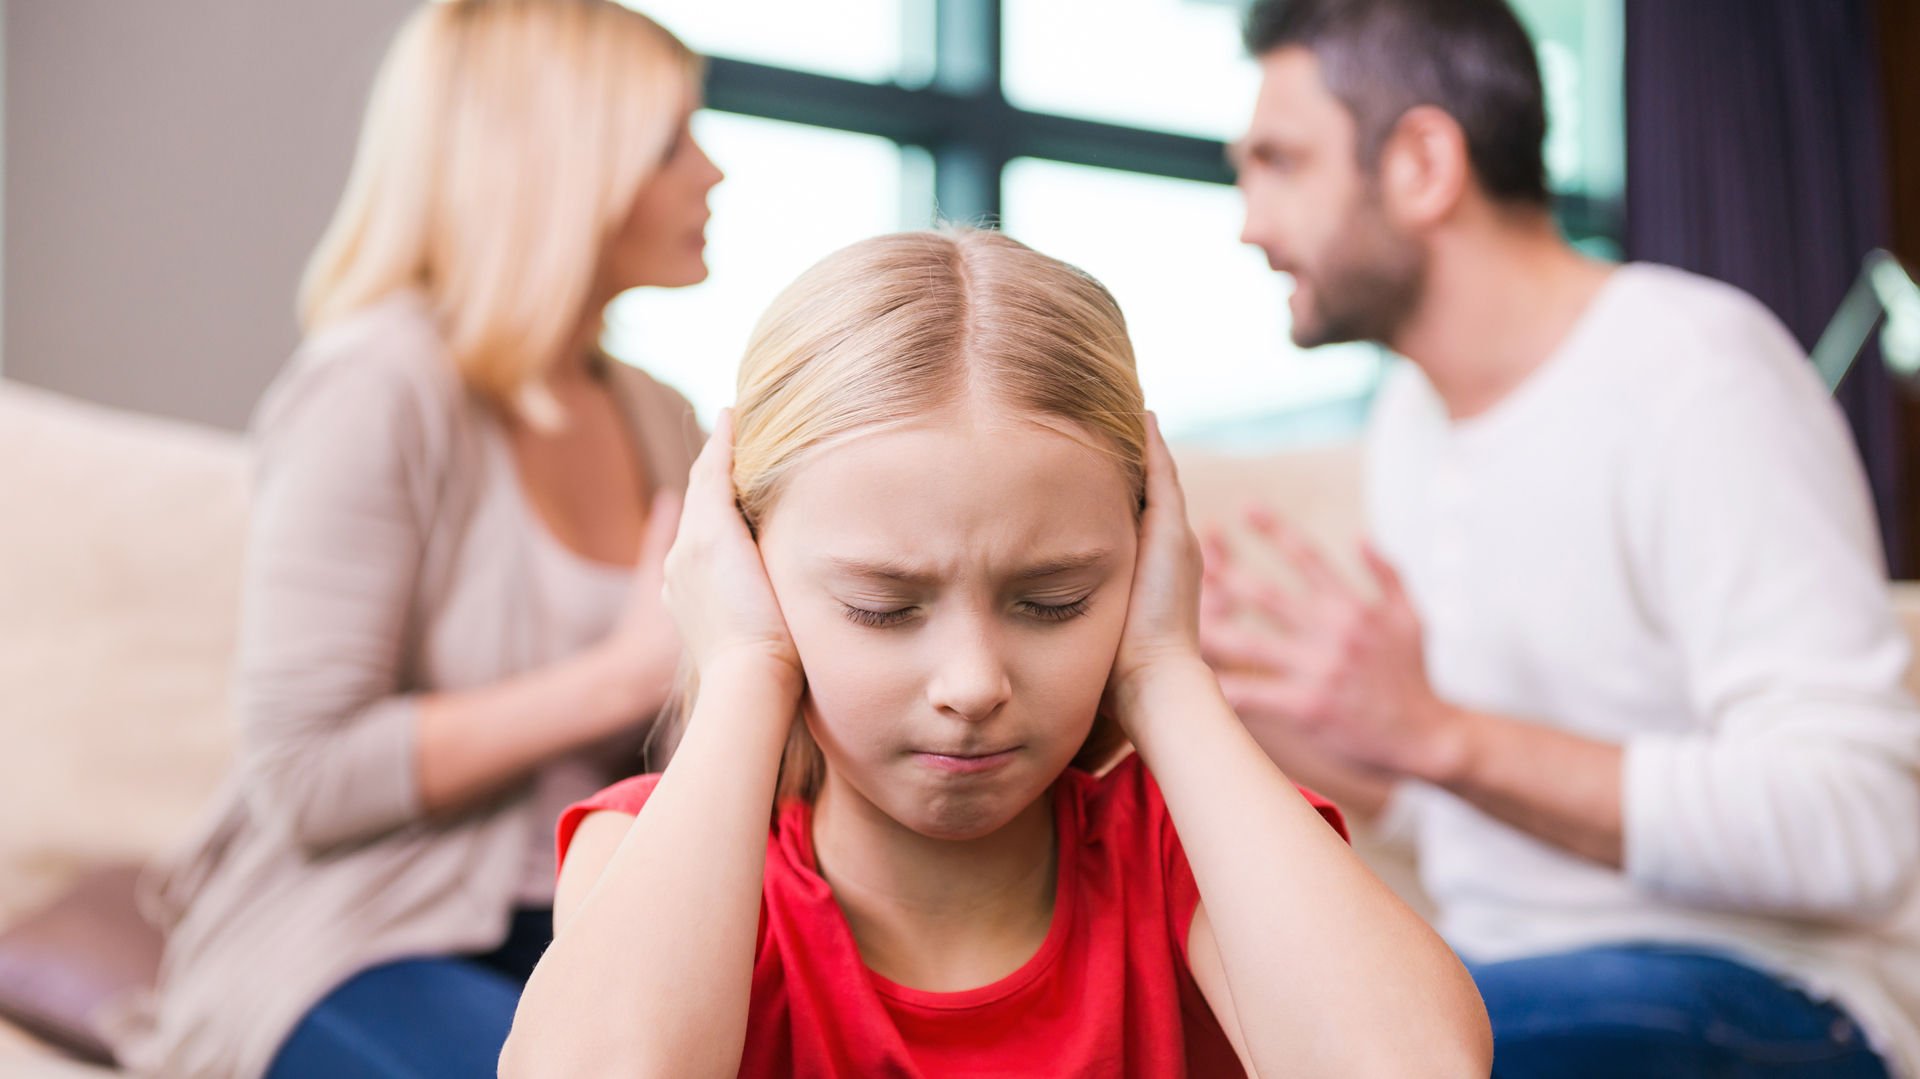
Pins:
x,y
504,142
883,332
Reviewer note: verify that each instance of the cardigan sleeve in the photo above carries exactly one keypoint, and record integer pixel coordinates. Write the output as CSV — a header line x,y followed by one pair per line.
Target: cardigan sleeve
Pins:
x,y
1756,540
335,548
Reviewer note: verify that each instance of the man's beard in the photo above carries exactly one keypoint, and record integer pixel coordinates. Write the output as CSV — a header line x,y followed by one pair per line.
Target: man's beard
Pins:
x,y
1368,282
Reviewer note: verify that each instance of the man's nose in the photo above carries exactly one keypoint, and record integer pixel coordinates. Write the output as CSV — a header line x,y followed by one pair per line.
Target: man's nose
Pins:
x,y
1257,229
970,681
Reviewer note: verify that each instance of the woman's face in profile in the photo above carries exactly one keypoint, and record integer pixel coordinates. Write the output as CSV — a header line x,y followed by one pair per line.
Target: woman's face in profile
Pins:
x,y
664,239
956,590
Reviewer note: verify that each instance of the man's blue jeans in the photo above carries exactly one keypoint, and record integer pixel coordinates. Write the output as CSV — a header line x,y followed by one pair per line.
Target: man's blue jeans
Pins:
x,y
1654,1012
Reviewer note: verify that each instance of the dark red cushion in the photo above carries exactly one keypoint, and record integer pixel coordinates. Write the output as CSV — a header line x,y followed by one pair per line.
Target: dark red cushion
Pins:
x,y
61,966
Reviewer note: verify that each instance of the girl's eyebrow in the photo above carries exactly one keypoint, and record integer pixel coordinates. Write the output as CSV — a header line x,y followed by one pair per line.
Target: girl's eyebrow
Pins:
x,y
883,570
1065,563
905,573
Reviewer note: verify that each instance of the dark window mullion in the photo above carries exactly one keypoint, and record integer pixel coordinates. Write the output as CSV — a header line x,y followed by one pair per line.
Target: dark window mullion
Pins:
x,y
934,119
969,159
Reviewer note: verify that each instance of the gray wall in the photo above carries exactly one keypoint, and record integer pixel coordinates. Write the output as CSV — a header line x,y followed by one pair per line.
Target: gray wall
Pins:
x,y
169,165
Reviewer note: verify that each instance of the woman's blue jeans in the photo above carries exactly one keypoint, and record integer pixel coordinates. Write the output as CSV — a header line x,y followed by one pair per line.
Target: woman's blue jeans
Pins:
x,y
1654,1012
430,1018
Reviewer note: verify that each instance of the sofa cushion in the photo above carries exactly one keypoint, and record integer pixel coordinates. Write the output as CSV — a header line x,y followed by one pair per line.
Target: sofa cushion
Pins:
x,y
120,543
64,969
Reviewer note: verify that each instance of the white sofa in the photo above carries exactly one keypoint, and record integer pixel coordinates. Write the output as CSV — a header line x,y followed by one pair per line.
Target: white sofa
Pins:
x,y
120,548
120,539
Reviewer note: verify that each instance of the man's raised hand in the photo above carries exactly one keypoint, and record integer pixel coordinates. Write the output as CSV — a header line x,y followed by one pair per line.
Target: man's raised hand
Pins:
x,y
1343,668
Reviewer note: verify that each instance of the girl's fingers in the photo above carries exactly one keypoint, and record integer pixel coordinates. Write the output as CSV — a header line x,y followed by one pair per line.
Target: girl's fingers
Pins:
x,y
707,503
713,469
1163,611
1163,476
712,511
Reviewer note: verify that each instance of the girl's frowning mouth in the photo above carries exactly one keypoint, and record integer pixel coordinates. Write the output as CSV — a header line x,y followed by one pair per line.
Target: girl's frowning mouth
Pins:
x,y
966,764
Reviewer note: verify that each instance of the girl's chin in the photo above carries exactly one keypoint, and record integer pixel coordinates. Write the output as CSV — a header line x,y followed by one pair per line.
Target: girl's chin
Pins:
x,y
957,814
960,828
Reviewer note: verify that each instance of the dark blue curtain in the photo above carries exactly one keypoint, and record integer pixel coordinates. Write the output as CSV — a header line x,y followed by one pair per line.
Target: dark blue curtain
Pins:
x,y
1755,155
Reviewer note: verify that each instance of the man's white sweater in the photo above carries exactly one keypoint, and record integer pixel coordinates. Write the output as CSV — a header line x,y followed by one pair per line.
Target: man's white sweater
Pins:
x,y
1663,539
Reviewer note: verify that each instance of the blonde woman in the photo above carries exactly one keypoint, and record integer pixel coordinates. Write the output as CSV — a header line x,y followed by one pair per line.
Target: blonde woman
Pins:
x,y
934,575
451,623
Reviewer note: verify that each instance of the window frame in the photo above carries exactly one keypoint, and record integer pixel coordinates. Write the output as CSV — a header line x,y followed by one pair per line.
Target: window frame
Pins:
x,y
962,120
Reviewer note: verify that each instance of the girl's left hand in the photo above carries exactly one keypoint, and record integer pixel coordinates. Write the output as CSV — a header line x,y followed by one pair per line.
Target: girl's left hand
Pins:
x,y
1162,632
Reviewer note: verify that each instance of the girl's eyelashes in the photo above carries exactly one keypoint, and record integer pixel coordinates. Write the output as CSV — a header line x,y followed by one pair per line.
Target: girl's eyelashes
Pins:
x,y
864,617
1056,612
1045,612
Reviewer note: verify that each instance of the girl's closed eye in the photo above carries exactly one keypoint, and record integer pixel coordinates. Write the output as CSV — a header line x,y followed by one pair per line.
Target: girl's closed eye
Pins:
x,y
877,619
1055,612
1045,612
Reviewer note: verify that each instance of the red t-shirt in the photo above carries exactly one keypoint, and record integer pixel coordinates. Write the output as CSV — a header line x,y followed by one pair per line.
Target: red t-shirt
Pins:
x,y
1109,993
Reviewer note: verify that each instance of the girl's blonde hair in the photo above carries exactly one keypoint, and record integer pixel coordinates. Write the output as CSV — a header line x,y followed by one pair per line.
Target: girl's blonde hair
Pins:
x,y
890,329
504,143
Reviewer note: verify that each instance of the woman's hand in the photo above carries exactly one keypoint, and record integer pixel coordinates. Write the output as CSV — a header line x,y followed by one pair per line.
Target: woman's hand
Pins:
x,y
716,585
644,648
470,743
1162,635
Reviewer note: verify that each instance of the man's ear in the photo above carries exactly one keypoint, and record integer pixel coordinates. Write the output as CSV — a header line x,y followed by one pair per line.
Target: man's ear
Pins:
x,y
1424,167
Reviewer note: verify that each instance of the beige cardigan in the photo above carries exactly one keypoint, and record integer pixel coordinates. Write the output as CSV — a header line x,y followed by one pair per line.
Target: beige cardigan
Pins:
x,y
378,568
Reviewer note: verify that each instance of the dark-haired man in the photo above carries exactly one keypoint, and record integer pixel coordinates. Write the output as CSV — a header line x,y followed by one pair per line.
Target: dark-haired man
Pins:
x,y
1627,668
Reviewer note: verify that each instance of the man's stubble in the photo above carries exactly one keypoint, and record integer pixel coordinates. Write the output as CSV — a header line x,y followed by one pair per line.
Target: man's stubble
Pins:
x,y
1369,280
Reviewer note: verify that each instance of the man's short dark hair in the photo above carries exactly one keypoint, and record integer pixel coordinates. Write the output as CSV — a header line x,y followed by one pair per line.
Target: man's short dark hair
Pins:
x,y
1470,58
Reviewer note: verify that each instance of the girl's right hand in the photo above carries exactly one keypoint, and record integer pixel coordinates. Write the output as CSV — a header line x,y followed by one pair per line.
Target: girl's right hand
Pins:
x,y
644,647
716,585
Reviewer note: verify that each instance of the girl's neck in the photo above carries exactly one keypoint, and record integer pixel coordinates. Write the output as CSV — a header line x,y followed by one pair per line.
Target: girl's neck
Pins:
x,y
934,914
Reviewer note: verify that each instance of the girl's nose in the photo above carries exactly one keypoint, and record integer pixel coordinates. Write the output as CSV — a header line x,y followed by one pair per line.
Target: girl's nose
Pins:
x,y
969,680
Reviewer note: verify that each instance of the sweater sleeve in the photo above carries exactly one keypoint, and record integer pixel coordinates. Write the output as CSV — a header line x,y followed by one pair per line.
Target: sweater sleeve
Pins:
x,y
335,545
1754,539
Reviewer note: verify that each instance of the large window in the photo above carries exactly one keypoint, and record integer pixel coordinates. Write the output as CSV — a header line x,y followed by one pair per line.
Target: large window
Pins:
x,y
1579,44
854,39
1173,65
1090,129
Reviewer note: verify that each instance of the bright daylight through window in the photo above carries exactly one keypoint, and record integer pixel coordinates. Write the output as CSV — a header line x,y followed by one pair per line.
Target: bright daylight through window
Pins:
x,y
1209,319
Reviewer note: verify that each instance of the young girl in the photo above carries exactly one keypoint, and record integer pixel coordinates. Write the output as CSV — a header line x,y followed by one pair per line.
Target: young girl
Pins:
x,y
933,574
